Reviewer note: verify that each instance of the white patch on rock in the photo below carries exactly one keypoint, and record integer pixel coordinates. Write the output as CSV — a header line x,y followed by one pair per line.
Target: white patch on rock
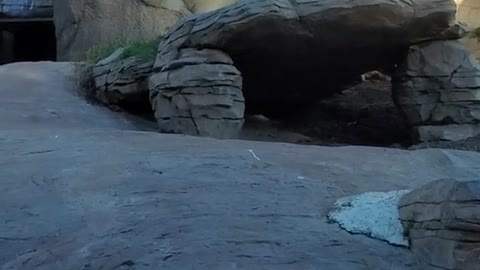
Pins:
x,y
373,213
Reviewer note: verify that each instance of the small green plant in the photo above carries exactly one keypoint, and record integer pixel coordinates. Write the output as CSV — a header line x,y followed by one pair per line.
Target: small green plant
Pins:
x,y
84,70
145,49
99,52
141,49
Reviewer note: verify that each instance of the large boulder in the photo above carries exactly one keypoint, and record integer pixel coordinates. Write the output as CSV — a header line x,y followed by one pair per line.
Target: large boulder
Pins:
x,y
198,92
437,88
442,220
26,8
82,24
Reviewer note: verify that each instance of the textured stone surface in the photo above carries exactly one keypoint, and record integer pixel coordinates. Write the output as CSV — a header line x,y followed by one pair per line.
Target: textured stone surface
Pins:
x,y
122,81
26,8
467,12
80,190
292,52
202,6
82,24
49,99
197,92
442,220
438,89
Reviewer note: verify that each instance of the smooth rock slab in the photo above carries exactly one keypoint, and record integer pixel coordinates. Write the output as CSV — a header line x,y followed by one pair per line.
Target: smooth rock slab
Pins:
x,y
45,95
104,198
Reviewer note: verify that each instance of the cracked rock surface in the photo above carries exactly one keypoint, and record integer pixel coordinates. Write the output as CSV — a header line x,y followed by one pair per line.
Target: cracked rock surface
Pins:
x,y
197,92
442,220
438,90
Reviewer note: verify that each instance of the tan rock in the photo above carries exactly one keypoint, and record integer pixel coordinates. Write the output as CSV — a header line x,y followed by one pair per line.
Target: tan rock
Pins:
x,y
469,13
82,24
202,6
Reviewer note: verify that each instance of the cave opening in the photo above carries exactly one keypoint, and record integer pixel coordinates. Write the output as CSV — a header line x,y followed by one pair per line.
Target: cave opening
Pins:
x,y
24,40
361,114
313,86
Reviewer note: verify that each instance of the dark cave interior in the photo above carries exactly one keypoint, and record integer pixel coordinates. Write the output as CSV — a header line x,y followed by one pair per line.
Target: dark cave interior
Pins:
x,y
27,40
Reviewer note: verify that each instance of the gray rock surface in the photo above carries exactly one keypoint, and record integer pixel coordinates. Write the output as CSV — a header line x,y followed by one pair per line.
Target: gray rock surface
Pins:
x,y
442,220
291,53
438,90
197,92
82,24
44,95
80,190
119,80
26,8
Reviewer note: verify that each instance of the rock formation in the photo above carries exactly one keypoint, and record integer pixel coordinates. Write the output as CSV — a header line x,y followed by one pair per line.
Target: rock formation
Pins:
x,y
438,89
197,92
281,56
287,61
82,24
468,12
122,81
442,220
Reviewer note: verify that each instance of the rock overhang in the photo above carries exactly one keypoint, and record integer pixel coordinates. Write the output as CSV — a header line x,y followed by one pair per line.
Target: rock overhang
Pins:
x,y
319,46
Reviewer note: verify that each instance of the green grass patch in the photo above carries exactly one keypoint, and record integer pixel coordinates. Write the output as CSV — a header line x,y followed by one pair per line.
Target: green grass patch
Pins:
x,y
140,49
146,49
84,70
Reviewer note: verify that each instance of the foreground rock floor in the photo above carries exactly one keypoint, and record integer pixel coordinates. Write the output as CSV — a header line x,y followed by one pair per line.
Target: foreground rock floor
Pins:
x,y
84,190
